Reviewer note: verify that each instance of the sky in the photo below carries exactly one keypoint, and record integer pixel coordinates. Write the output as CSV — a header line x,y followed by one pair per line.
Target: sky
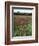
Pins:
x,y
23,10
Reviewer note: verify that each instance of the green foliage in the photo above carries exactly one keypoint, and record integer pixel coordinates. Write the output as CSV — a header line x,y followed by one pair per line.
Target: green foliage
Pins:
x,y
29,29
23,30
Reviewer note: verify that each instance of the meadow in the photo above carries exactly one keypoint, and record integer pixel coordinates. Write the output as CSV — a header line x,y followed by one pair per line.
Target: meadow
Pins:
x,y
22,25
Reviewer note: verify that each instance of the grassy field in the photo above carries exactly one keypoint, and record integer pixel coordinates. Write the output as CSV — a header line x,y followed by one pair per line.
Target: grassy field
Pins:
x,y
22,25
